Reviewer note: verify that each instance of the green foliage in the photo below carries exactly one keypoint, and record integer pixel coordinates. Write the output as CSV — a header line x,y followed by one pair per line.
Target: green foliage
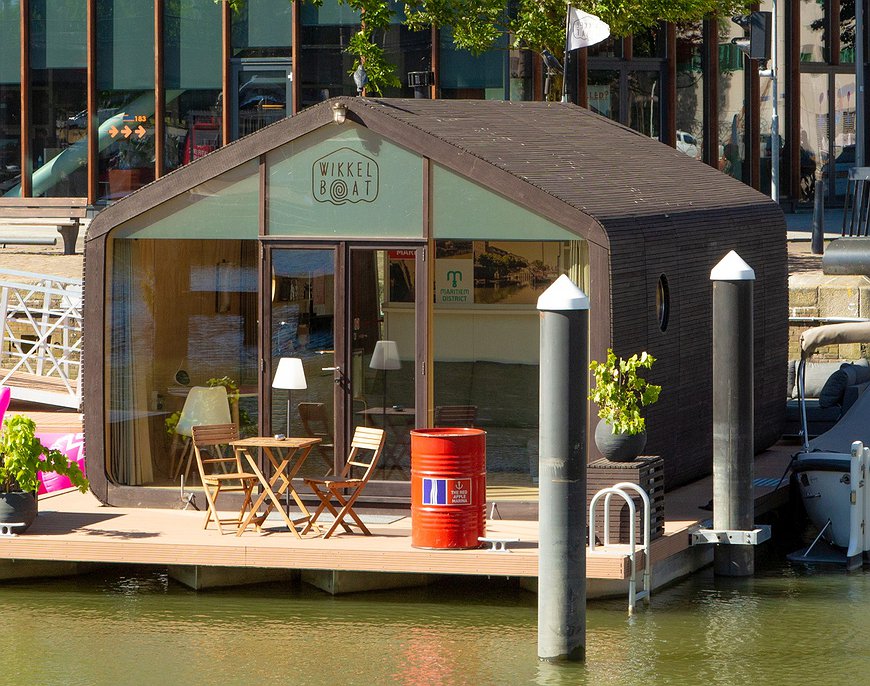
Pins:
x,y
20,453
620,393
171,422
246,424
228,383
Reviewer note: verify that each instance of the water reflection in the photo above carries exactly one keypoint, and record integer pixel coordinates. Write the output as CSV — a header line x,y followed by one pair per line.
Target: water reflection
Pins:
x,y
784,626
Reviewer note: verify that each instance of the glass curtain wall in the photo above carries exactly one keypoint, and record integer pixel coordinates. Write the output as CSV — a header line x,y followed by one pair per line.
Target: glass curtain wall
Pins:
x,y
325,65
690,90
494,75
125,83
192,78
410,51
58,97
263,28
10,96
629,91
732,103
827,98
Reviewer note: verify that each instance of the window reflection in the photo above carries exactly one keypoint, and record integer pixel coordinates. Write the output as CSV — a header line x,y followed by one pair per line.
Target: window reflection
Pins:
x,y
813,36
10,96
125,79
183,313
192,72
690,90
732,104
58,125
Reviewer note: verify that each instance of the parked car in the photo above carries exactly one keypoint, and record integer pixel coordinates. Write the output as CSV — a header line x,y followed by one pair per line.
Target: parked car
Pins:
x,y
688,144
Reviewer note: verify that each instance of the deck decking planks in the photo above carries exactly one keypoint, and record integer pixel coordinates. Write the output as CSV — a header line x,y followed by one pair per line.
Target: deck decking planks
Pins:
x,y
76,527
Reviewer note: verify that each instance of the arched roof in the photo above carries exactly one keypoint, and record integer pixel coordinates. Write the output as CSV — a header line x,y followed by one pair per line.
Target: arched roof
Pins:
x,y
565,163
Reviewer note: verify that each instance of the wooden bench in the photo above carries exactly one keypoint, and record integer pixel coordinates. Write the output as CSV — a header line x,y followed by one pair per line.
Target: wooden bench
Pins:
x,y
64,213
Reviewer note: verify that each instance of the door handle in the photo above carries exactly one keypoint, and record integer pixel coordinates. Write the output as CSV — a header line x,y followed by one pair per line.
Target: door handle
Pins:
x,y
338,373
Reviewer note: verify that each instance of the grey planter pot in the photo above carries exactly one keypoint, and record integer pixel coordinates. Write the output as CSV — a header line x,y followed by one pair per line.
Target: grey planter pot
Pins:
x,y
18,507
618,447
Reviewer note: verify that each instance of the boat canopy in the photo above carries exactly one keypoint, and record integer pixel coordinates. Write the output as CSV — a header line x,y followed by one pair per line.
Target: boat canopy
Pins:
x,y
834,334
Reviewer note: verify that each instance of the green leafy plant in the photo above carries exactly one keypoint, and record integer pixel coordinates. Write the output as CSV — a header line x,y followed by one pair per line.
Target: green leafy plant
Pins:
x,y
171,422
246,424
22,455
620,392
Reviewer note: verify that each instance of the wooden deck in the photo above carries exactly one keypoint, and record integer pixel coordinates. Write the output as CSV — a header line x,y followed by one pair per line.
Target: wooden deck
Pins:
x,y
76,527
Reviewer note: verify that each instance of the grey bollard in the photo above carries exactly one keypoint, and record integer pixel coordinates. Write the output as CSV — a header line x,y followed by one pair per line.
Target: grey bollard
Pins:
x,y
733,430
564,366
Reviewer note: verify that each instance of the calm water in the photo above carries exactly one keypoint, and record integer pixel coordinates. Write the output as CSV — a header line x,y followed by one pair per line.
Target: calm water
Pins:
x,y
786,626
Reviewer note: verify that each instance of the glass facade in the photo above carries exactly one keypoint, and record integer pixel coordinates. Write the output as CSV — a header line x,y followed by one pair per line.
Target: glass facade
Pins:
x,y
813,40
690,90
263,29
58,97
732,104
324,63
10,96
125,81
192,77
626,80
499,74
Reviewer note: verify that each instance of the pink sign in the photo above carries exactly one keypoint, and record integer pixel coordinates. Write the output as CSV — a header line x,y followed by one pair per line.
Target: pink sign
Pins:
x,y
71,445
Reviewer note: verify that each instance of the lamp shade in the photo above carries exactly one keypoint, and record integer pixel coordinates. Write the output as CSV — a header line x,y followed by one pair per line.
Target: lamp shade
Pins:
x,y
385,356
290,374
204,406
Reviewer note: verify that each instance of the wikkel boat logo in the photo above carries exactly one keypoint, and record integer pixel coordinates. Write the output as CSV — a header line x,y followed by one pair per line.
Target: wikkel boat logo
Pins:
x,y
345,176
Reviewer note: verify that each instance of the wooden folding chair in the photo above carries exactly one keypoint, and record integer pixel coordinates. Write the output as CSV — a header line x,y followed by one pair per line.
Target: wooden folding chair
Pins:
x,y
220,470
367,442
455,415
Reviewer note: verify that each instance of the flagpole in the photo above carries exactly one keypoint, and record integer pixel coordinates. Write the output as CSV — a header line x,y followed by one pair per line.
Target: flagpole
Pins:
x,y
565,55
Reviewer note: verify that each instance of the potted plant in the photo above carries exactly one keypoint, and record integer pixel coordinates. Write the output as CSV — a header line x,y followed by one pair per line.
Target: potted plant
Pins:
x,y
620,393
22,456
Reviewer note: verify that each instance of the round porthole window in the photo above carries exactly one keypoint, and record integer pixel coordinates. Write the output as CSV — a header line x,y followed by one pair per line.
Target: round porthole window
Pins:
x,y
663,302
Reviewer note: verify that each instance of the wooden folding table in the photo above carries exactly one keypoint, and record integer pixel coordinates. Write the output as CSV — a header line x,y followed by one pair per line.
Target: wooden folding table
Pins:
x,y
287,455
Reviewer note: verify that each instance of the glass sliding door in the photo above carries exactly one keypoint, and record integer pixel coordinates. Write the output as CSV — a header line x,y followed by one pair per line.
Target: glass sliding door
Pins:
x,y
302,308
349,314
382,351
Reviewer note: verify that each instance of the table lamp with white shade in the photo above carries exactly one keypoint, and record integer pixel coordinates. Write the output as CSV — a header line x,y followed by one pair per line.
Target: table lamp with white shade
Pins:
x,y
289,376
385,357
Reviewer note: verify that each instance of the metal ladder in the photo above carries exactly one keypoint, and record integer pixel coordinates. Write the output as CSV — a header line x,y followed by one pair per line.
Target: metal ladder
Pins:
x,y
619,489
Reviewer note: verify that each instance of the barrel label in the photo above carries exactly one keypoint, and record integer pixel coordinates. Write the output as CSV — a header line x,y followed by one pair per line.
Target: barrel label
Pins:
x,y
446,491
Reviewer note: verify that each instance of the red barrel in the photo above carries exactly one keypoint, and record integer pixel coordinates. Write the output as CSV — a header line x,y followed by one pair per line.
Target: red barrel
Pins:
x,y
448,487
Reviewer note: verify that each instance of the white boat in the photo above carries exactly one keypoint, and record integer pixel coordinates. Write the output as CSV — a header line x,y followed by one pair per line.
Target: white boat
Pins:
x,y
825,466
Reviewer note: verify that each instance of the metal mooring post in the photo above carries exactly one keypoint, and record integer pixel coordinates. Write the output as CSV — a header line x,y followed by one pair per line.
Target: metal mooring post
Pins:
x,y
562,472
733,431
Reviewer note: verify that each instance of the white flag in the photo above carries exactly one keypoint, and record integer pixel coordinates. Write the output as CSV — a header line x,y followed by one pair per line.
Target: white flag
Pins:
x,y
585,29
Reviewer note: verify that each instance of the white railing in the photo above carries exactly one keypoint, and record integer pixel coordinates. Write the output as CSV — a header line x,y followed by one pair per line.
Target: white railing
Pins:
x,y
41,337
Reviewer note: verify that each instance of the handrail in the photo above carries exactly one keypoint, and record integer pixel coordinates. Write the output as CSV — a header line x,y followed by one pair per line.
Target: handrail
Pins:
x,y
41,334
608,493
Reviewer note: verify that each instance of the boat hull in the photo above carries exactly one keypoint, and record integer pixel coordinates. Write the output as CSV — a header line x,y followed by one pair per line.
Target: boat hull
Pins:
x,y
824,482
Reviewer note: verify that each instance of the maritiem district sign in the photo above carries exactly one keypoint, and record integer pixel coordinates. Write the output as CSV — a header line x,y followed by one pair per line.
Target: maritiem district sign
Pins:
x,y
345,176
454,281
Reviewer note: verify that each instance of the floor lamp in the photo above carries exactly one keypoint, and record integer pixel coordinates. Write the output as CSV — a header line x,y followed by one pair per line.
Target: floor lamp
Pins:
x,y
289,376
385,357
